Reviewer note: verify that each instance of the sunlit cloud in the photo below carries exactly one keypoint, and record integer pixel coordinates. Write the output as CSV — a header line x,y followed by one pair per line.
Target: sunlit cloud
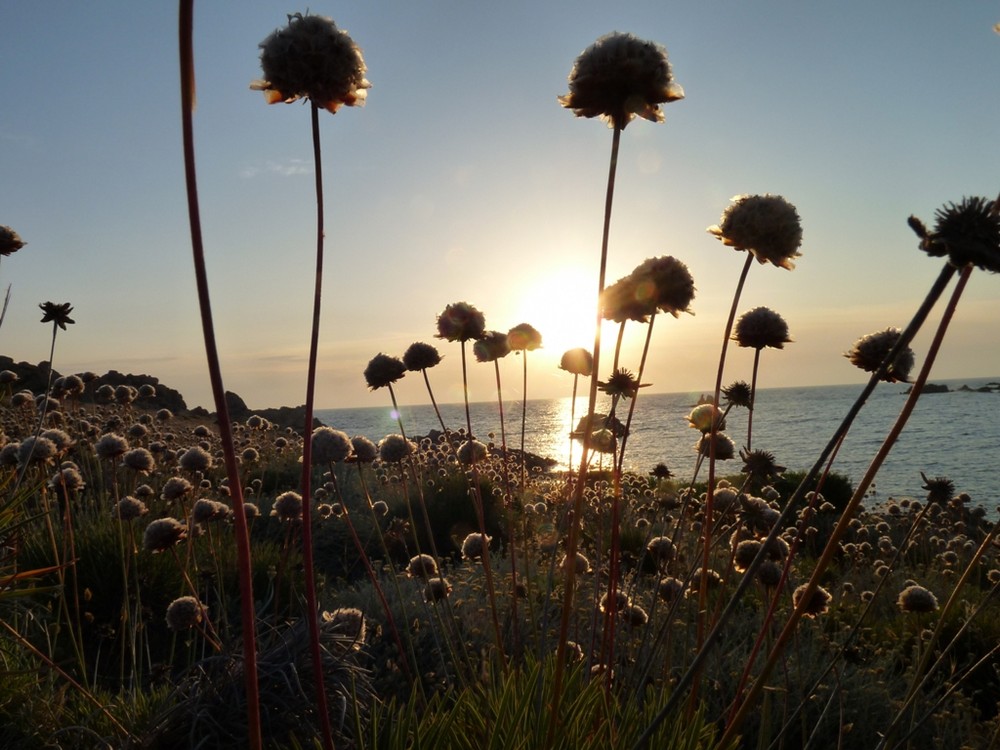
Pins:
x,y
287,168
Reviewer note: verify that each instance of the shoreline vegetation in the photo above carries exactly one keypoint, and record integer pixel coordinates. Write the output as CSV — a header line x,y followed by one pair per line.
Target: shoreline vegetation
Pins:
x,y
171,579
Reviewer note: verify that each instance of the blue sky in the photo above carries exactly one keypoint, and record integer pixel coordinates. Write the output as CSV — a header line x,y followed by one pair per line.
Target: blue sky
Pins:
x,y
463,179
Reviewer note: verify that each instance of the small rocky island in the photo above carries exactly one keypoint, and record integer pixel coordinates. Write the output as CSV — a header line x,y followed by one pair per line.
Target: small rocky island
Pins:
x,y
941,388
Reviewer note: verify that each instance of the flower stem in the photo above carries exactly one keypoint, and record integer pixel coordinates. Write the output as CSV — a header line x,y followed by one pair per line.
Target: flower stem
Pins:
x,y
753,398
186,28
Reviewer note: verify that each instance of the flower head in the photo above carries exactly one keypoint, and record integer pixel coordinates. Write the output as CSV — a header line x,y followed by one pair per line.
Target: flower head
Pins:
x,y
421,356
968,232
624,301
619,77
472,452
524,337
817,603
702,416
917,599
939,489
365,451
870,351
666,283
661,471
622,383
422,566
725,449
330,446
765,225
311,57
383,370
475,545
394,448
578,361
287,506
460,321
184,613
761,327
162,534
57,313
491,346
760,465
737,394
10,241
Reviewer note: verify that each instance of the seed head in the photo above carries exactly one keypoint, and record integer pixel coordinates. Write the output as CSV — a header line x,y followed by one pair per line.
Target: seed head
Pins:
x,y
184,613
472,452
491,346
968,232
524,337
577,361
330,446
666,283
422,566
57,313
130,508
10,241
765,225
421,356
917,599
365,451
460,321
761,327
110,446
737,394
818,602
870,351
475,545
162,534
287,506
394,448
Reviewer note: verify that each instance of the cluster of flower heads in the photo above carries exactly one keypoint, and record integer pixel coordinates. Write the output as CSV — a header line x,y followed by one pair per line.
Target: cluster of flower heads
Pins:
x,y
657,284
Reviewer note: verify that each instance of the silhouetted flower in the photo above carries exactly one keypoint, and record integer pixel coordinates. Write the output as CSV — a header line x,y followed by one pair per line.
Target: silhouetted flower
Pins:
x,y
162,534
365,451
330,446
917,599
869,352
394,448
578,361
491,346
761,327
195,459
110,446
661,549
817,603
666,283
967,233
421,566
312,58
57,313
460,322
287,506
472,452
524,337
737,394
765,225
10,241
760,465
724,447
130,508
383,370
622,383
621,301
475,545
184,613
619,77
939,489
661,471
437,589
421,356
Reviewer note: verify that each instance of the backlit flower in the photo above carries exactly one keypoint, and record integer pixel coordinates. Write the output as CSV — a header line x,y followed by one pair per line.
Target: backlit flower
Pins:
x,y
917,599
666,283
578,361
330,446
394,448
760,465
869,352
761,327
437,589
421,356
162,534
287,506
817,603
622,301
524,337
421,566
619,77
737,394
472,452
725,449
110,446
184,613
10,241
475,545
702,416
312,58
622,383
491,346
57,313
365,451
765,225
967,233
383,370
460,321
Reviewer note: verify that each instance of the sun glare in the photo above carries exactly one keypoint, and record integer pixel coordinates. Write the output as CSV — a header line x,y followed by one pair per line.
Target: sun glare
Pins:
x,y
562,306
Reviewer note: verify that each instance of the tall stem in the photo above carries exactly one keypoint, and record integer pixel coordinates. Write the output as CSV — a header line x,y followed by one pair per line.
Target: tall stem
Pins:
x,y
247,615
753,397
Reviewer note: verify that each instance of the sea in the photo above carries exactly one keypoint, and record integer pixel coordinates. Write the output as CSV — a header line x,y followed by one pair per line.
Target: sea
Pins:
x,y
954,434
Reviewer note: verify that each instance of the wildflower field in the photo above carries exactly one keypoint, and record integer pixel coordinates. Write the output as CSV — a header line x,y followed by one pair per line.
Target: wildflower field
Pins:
x,y
174,580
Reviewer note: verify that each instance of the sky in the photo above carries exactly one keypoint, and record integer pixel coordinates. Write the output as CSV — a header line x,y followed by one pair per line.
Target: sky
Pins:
x,y
463,179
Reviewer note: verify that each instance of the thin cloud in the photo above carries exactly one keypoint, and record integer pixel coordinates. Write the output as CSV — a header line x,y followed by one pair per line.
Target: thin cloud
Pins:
x,y
287,168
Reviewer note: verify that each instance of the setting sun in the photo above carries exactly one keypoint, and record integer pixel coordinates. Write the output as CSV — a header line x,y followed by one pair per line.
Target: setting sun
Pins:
x,y
561,306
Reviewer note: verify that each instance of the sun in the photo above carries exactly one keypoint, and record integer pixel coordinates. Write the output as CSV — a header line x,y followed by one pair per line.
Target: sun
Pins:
x,y
562,305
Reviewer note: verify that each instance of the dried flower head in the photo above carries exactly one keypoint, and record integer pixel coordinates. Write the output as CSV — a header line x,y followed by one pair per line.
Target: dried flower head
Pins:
x,y
578,361
57,313
184,613
661,471
939,489
475,545
421,356
761,327
422,566
619,77
460,321
394,448
725,449
365,451
175,488
666,283
472,452
288,506
162,534
110,446
737,394
437,589
760,465
130,508
330,446
383,370
621,384
10,241
580,563
195,459
661,549
817,603
205,510
701,418
765,225
968,232
312,58
491,346
669,589
624,300
139,460
524,337
917,599
871,350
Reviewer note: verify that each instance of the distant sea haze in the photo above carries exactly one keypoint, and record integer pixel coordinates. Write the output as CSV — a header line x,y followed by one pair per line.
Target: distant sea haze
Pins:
x,y
954,434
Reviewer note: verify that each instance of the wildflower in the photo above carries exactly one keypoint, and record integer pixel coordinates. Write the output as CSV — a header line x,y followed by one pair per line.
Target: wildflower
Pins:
x,y
125,394
491,346
421,356
421,566
604,432
745,553
622,383
580,563
761,327
195,459
619,77
347,622
330,446
164,415
578,361
475,545
818,602
437,589
287,506
383,370
669,589
666,283
57,313
139,460
184,613
311,57
67,479
205,510
870,351
661,471
661,549
460,322
364,450
10,241
635,616
725,449
939,489
524,337
472,452
769,574
712,581
760,465
249,455
765,225
110,446
620,601
394,448
175,488
621,302
737,394
702,416
162,534
130,508
967,233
